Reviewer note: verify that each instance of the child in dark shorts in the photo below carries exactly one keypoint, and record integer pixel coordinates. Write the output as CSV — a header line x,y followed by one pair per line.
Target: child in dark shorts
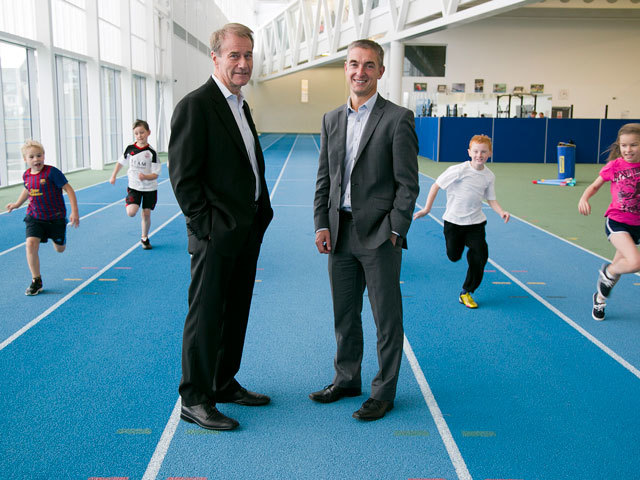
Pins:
x,y
46,213
144,169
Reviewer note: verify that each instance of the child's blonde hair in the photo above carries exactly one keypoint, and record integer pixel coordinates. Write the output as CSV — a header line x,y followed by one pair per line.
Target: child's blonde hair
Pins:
x,y
627,129
31,144
481,139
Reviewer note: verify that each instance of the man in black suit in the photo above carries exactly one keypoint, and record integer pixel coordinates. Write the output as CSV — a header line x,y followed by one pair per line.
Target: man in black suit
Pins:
x,y
217,173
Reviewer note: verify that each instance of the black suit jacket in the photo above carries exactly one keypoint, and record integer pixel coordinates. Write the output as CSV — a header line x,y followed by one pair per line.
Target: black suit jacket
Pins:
x,y
211,173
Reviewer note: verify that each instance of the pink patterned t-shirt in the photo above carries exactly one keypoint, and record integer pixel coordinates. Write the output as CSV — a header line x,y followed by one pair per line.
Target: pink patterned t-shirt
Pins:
x,y
625,191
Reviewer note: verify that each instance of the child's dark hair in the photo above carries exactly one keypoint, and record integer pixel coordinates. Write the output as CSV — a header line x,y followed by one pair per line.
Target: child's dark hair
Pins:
x,y
141,123
627,129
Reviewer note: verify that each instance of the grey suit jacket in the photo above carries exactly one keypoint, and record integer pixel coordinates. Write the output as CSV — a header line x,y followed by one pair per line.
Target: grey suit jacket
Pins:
x,y
384,180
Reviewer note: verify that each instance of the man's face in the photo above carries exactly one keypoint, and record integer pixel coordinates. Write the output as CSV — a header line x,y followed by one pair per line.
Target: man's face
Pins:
x,y
363,71
234,63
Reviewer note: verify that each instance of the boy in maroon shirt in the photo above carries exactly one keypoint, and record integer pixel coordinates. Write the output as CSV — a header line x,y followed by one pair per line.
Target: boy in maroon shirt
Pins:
x,y
46,213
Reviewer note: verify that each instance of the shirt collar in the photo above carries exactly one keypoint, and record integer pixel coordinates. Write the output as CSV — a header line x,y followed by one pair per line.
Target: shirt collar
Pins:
x,y
226,93
368,105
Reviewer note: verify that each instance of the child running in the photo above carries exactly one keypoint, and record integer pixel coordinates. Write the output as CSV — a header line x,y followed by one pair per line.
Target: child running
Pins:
x,y
143,173
46,213
622,224
467,184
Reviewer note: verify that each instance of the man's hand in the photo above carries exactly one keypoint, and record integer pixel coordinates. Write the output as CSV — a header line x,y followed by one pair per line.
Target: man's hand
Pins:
x,y
323,241
394,239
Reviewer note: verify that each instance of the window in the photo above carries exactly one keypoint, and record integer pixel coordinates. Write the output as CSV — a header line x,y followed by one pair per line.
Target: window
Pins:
x,y
112,115
17,89
139,97
73,118
424,60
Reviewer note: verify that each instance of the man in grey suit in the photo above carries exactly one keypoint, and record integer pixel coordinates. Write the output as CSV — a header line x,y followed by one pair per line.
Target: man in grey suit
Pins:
x,y
366,191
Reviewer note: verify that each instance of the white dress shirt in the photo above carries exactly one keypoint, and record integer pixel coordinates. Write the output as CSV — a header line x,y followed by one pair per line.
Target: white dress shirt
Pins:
x,y
235,103
356,121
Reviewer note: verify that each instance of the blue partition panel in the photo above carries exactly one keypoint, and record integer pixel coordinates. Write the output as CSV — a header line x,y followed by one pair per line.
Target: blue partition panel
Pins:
x,y
582,131
519,140
427,131
455,133
609,134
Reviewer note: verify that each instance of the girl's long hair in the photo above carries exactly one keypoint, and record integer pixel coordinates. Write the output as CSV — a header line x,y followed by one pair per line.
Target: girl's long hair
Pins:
x,y
627,129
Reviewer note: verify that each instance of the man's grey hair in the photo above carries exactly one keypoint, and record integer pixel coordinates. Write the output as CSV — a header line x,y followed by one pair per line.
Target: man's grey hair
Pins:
x,y
237,29
370,45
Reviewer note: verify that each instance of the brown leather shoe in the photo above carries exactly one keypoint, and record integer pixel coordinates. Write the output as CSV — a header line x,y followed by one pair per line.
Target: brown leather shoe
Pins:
x,y
373,409
242,396
332,393
207,416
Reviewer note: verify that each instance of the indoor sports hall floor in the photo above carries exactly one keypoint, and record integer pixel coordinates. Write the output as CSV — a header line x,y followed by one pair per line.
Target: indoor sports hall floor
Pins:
x,y
528,386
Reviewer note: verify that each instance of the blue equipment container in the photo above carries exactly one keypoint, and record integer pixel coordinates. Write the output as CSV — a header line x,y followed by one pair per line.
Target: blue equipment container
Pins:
x,y
566,160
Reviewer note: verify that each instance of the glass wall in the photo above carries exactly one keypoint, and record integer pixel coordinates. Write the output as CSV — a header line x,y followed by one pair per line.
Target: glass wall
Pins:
x,y
17,82
73,118
139,98
111,115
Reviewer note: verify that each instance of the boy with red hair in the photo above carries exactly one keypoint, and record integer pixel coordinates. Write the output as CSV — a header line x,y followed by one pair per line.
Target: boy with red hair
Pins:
x,y
467,185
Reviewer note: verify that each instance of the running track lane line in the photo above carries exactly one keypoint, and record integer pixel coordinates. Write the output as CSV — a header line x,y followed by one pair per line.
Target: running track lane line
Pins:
x,y
441,424
562,316
81,218
151,473
64,299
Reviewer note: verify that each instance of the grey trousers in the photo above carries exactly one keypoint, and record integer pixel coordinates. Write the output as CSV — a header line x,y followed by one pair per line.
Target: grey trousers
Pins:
x,y
352,268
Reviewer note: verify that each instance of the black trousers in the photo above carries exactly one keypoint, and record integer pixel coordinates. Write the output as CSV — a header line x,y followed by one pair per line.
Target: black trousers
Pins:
x,y
219,301
473,237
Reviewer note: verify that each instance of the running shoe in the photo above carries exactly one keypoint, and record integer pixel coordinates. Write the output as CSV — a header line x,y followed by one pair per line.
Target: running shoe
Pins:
x,y
467,301
35,287
606,283
598,308
146,245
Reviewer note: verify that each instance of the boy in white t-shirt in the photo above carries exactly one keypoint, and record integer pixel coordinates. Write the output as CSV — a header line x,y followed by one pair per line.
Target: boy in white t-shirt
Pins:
x,y
144,169
467,185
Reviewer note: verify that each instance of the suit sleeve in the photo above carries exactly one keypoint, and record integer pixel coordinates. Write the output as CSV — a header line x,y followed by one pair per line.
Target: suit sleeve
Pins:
x,y
187,156
405,172
321,200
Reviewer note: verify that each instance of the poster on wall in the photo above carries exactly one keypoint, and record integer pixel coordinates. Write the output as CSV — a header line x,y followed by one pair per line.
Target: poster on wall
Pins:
x,y
457,87
517,90
304,91
537,88
419,87
499,88
442,89
479,85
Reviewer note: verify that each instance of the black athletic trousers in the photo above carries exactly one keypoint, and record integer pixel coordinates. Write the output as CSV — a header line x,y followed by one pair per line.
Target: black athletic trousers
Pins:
x,y
473,237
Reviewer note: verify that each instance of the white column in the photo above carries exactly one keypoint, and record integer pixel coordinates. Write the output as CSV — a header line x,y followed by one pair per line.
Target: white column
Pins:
x,y
47,102
396,65
94,85
125,77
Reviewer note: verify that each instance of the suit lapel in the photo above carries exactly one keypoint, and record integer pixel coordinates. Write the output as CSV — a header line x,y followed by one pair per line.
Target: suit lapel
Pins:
x,y
226,117
247,113
372,123
342,138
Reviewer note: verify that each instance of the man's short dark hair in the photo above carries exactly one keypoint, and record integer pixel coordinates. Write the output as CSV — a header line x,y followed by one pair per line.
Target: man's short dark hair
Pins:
x,y
370,45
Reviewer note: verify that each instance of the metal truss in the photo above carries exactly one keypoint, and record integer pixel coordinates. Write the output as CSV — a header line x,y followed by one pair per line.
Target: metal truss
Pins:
x,y
310,33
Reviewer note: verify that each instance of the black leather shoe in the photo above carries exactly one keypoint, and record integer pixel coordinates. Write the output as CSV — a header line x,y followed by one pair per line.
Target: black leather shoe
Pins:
x,y
332,393
242,396
207,416
373,409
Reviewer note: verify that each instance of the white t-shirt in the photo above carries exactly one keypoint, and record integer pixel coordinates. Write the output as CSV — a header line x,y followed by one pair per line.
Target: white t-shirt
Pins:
x,y
466,189
141,160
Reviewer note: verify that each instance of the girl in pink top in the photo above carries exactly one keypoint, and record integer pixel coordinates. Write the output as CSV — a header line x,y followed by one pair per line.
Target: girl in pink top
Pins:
x,y
622,223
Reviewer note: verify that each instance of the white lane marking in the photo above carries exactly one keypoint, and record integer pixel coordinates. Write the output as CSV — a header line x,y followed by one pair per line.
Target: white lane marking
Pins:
x,y
562,316
73,292
170,429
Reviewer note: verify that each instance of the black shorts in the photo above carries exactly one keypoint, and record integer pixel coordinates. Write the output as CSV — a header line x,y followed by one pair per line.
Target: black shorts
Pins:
x,y
147,199
611,226
55,230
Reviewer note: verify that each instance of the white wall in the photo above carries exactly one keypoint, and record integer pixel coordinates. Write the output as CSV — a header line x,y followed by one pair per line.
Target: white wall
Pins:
x,y
593,60
276,105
